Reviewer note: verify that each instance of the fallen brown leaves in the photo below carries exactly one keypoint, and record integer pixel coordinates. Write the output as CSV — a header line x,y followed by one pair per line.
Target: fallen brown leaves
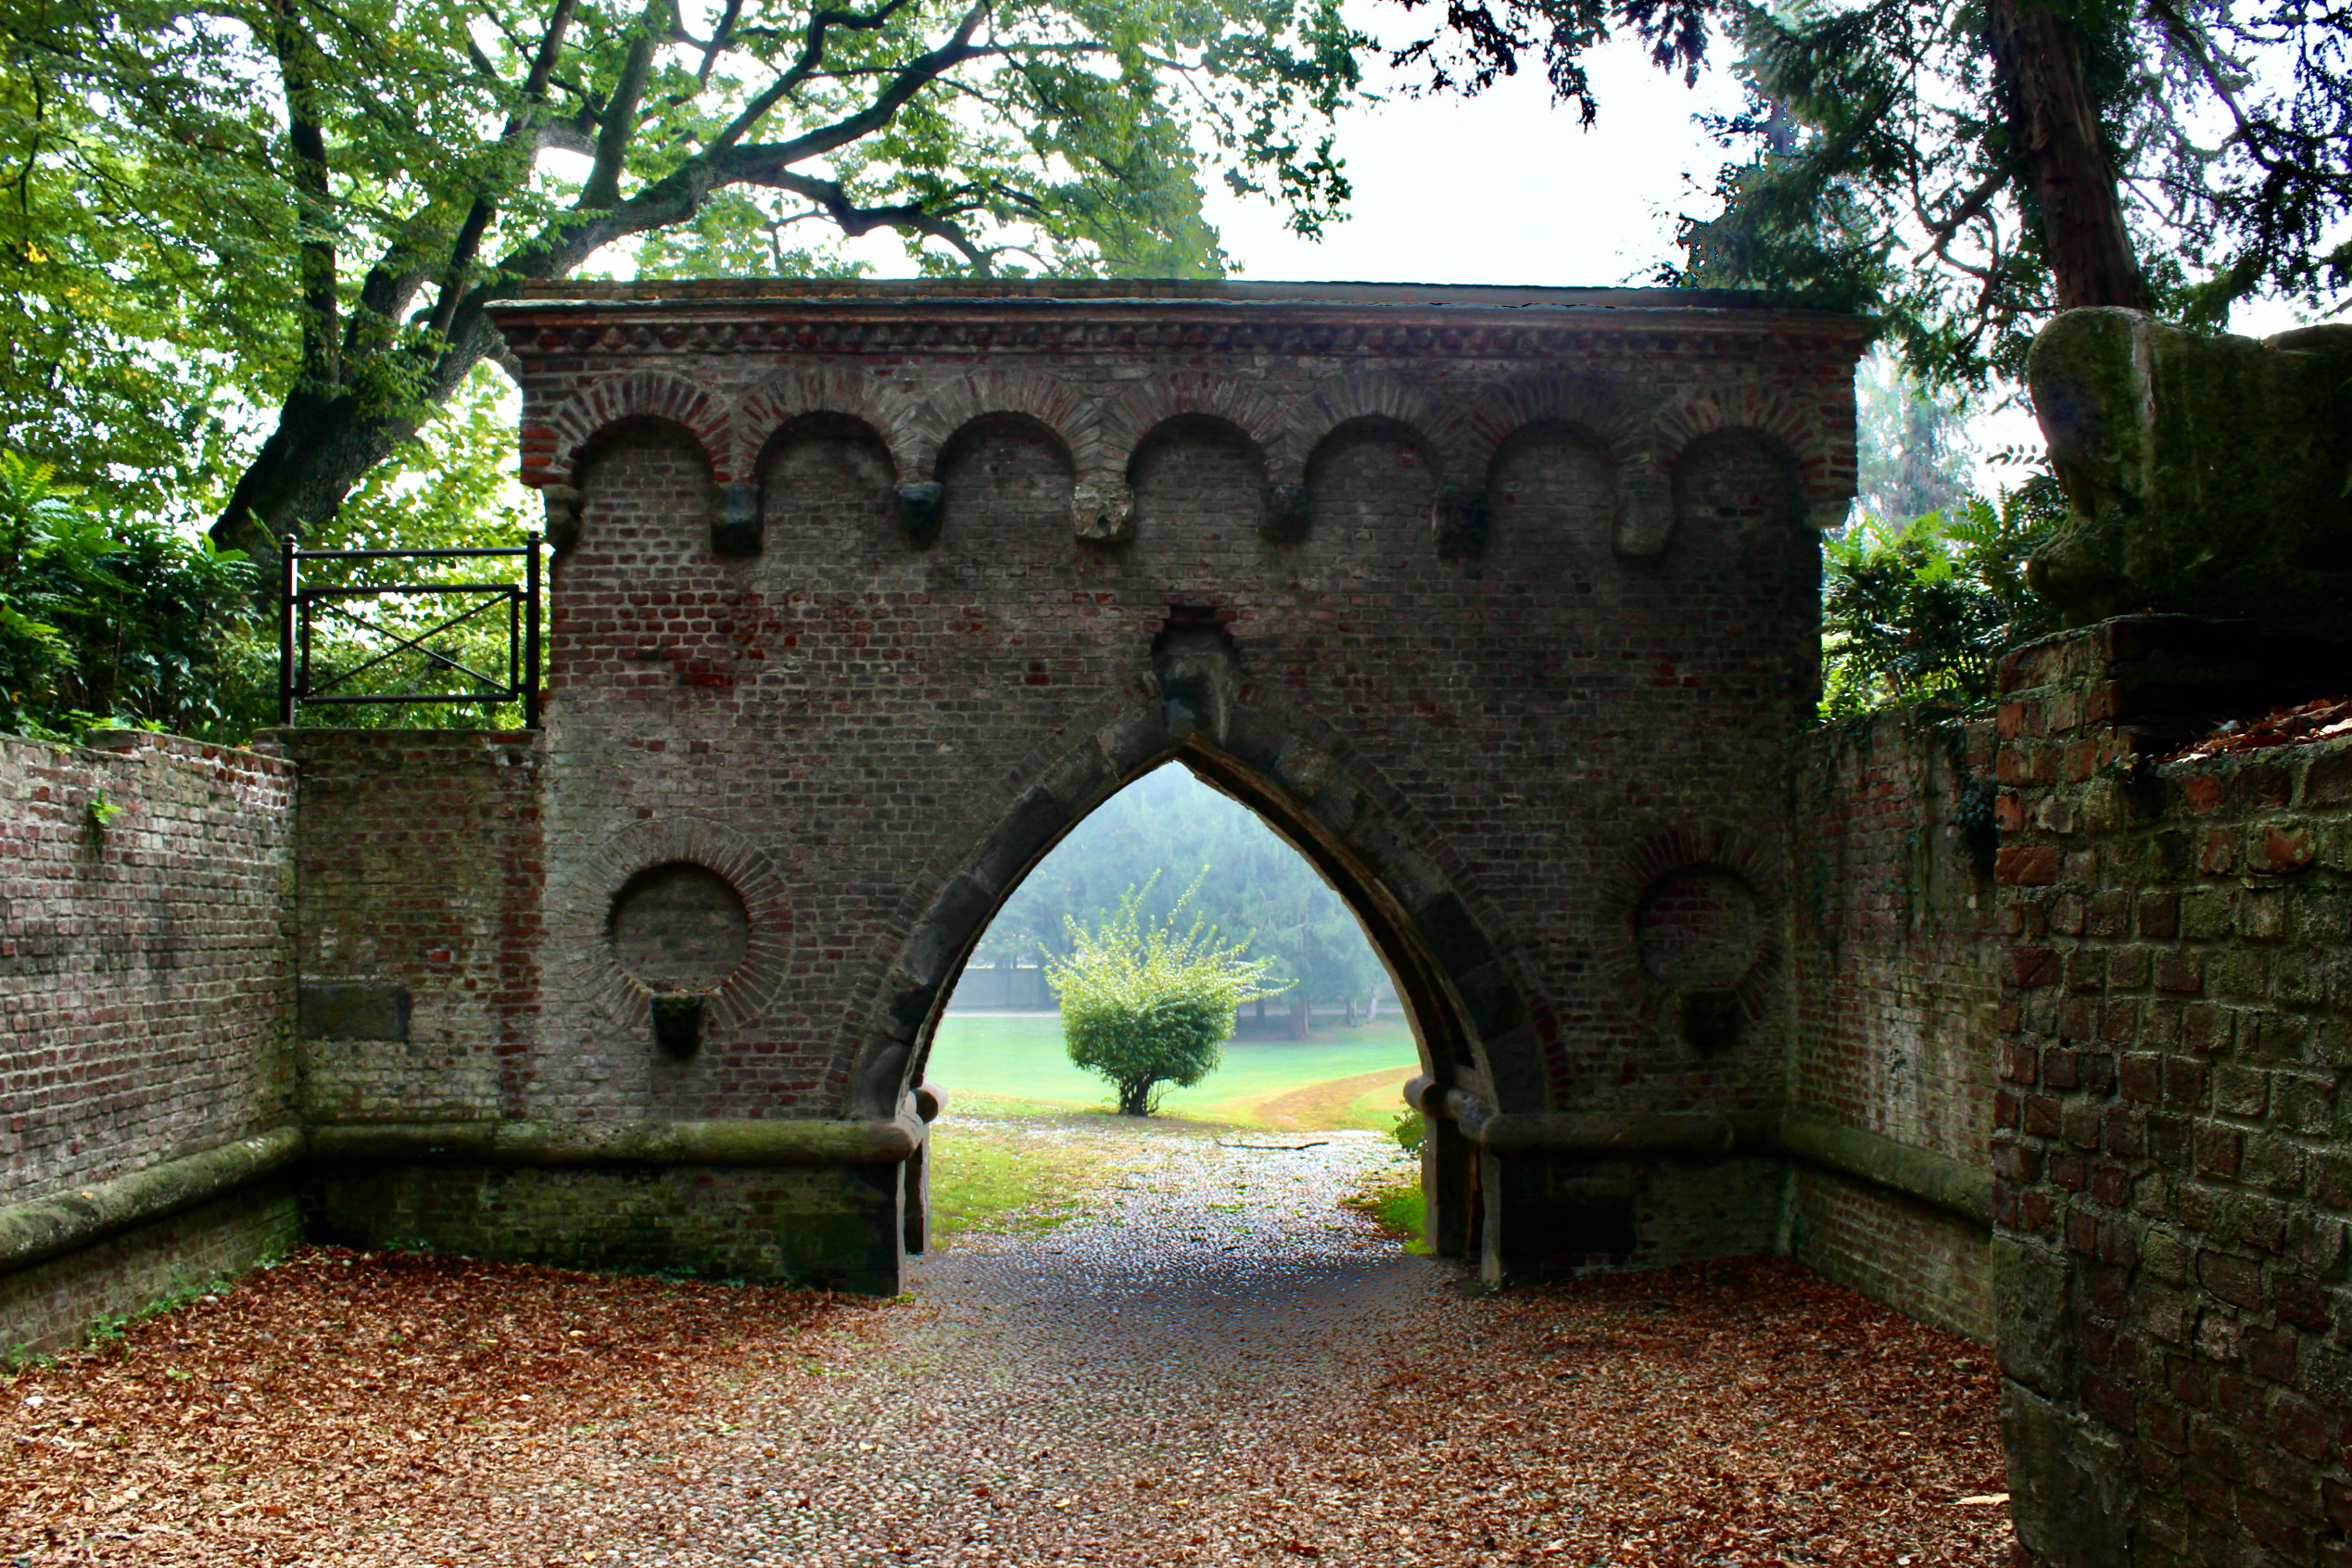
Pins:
x,y
336,1394
2321,720
1747,1413
344,1411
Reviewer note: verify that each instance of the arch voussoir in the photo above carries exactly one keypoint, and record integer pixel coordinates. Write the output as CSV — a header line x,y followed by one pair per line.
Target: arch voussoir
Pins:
x,y
552,453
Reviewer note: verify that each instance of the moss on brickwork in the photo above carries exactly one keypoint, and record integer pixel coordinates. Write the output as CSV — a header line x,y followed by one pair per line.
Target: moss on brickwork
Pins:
x,y
835,1228
52,1305
2172,1177
2208,475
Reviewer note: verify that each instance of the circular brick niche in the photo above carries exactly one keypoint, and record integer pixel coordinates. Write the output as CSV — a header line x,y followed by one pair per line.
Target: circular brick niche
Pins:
x,y
1686,930
1698,929
679,926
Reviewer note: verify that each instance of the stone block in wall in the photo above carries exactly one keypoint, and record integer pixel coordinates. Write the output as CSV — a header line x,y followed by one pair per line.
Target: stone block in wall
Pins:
x,y
354,1010
2204,472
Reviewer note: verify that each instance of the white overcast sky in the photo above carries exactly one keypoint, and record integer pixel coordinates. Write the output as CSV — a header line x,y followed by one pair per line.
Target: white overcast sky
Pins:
x,y
1508,188
1504,188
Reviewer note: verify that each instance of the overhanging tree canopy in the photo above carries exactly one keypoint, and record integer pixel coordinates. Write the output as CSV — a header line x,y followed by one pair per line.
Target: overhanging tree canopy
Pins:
x,y
1965,168
297,210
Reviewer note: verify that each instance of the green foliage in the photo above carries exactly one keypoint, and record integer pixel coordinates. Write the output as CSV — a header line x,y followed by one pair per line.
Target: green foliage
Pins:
x,y
108,620
1883,166
251,246
1884,173
1146,1003
1911,444
1168,825
1921,612
1410,1131
1401,1209
101,812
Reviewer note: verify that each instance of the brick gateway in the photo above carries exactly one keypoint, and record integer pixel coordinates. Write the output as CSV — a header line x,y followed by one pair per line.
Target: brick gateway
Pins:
x,y
1499,605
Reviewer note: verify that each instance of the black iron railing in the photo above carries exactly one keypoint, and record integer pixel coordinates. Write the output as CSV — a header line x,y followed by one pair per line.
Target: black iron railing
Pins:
x,y
299,681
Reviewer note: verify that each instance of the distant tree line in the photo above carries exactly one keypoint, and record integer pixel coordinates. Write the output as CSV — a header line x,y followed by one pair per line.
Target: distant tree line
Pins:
x,y
1171,825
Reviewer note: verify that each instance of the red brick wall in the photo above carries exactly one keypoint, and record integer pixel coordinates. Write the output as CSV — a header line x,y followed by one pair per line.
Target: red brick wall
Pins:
x,y
855,711
417,887
146,967
2174,1180
1895,997
146,999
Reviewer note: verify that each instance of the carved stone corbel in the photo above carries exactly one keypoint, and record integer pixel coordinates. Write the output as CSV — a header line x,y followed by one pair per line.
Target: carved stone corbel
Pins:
x,y
563,505
1645,508
1283,512
1103,511
919,508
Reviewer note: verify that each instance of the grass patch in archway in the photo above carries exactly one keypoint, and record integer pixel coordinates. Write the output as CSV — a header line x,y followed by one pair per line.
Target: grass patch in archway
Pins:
x,y
1399,1208
1023,1168
1338,1078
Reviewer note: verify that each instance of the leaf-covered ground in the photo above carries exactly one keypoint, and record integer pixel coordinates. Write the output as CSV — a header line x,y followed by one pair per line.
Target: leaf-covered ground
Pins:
x,y
1214,1364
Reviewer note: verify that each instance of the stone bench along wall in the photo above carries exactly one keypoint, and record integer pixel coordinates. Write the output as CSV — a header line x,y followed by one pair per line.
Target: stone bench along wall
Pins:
x,y
146,989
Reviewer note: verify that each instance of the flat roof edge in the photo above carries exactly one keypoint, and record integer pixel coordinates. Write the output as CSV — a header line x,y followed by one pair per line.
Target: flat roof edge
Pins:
x,y
685,295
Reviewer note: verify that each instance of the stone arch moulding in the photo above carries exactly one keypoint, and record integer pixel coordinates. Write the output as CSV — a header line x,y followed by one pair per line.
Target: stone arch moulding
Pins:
x,y
1150,404
585,971
1825,471
1469,1005
1067,411
551,454
1654,861
795,393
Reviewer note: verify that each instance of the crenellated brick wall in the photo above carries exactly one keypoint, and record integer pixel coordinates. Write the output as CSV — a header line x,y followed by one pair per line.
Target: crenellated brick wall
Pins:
x,y
2175,1181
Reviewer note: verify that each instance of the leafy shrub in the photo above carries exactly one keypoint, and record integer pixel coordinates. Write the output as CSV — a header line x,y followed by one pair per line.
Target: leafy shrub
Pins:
x,y
109,619
1409,1130
1921,612
1148,1007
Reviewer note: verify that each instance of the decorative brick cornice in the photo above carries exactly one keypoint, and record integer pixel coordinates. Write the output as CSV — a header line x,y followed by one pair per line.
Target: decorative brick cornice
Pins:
x,y
771,316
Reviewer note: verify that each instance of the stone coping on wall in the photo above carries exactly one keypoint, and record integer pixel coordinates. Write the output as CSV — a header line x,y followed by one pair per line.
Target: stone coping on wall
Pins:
x,y
46,1228
1361,317
1939,1181
50,1227
128,742
733,1142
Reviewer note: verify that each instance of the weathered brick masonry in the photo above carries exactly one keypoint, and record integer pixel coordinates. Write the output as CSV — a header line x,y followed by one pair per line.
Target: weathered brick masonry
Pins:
x,y
2174,1188
1502,604
146,975
1896,992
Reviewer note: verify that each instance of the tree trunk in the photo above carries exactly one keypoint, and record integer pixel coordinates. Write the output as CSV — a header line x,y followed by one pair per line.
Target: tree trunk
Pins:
x,y
322,447
2038,63
1135,1097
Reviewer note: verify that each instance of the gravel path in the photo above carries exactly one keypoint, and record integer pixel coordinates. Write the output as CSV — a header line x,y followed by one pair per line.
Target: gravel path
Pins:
x,y
1053,1388
1214,1364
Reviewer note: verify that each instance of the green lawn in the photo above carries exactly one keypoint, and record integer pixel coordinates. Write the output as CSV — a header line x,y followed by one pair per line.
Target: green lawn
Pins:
x,y
1344,1078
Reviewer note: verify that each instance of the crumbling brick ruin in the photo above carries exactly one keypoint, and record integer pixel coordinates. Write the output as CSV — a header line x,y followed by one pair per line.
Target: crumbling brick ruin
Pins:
x,y
1500,605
